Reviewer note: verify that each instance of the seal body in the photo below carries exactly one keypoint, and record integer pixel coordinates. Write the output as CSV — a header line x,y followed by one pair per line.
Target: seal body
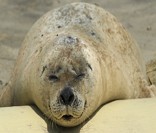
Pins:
x,y
73,60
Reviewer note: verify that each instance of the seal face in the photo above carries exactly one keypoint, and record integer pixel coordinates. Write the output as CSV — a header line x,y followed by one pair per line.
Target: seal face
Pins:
x,y
73,60
68,77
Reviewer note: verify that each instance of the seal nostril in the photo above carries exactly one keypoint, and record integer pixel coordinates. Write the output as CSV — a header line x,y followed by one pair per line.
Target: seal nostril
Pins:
x,y
62,99
66,96
71,98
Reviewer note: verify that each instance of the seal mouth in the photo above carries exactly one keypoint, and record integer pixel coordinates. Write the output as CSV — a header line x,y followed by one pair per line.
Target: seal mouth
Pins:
x,y
67,117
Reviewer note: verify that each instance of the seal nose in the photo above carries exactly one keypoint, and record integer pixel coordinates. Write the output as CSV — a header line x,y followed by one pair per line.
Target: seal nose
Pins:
x,y
66,96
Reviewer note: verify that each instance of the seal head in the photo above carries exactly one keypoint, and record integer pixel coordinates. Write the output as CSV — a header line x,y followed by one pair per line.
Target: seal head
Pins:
x,y
67,81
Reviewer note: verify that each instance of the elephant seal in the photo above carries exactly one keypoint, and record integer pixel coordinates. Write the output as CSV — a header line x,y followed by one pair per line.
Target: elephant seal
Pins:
x,y
73,60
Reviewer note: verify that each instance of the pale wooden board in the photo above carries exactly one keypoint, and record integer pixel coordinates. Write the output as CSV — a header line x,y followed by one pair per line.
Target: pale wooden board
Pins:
x,y
127,116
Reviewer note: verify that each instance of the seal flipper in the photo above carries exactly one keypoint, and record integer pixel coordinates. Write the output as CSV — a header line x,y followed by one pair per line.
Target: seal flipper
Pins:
x,y
6,95
151,71
149,88
148,91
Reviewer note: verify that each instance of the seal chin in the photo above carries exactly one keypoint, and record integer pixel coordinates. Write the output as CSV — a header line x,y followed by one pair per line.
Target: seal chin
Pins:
x,y
67,117
68,120
70,116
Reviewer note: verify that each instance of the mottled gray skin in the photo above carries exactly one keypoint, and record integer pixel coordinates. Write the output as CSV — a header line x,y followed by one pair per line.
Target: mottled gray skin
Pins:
x,y
87,50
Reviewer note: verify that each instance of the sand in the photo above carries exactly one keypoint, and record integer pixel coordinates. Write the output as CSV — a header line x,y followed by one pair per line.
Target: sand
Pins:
x,y
17,17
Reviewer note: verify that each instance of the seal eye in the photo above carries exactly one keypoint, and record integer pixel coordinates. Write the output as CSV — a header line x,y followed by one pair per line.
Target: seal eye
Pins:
x,y
80,76
53,78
